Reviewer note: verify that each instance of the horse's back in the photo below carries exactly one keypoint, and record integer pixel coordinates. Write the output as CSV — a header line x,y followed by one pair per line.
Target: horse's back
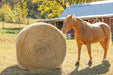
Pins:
x,y
96,32
102,31
107,30
101,24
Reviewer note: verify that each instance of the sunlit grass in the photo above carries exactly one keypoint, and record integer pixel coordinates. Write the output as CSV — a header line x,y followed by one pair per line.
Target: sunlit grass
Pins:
x,y
9,28
8,59
8,56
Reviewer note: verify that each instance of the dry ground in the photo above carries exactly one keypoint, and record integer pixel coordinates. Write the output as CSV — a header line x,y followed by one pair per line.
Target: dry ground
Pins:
x,y
8,64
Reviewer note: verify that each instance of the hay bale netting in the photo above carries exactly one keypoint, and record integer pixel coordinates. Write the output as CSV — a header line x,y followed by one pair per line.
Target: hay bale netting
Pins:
x,y
40,46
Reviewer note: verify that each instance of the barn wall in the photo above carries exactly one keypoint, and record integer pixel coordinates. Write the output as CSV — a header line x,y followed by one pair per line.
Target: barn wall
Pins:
x,y
53,23
111,23
108,20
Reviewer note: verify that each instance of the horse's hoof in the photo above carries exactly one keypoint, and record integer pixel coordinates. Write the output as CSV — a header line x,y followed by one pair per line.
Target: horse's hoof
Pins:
x,y
90,63
104,60
77,63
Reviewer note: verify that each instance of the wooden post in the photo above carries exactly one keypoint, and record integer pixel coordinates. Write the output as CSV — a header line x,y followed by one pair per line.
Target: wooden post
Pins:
x,y
28,21
19,21
2,27
102,19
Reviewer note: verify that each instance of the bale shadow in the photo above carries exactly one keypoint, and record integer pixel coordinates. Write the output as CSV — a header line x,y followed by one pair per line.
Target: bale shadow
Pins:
x,y
96,70
15,70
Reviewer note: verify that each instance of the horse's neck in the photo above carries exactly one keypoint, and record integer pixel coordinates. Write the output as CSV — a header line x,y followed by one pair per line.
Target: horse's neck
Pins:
x,y
78,26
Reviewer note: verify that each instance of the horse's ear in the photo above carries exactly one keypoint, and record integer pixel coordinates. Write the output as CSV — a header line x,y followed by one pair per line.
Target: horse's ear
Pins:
x,y
72,15
66,15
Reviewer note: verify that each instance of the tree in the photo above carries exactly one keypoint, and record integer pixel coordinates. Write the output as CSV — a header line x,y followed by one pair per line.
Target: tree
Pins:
x,y
50,9
21,10
53,8
32,9
24,9
11,16
8,12
5,9
18,11
66,3
2,15
10,2
3,12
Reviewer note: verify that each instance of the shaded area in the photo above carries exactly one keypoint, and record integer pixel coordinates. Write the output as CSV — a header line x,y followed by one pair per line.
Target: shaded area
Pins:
x,y
15,70
11,30
96,70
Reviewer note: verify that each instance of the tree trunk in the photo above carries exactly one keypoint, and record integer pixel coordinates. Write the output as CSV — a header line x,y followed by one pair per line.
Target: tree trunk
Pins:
x,y
3,25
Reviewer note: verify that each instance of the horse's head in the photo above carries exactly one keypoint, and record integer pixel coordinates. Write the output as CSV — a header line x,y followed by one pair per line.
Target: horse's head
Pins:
x,y
67,23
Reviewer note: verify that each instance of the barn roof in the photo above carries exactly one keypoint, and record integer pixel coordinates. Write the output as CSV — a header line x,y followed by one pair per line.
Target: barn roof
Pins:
x,y
88,10
53,19
92,9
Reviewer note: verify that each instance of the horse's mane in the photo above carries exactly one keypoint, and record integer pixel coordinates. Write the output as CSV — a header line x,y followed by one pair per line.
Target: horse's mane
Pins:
x,y
81,21
87,23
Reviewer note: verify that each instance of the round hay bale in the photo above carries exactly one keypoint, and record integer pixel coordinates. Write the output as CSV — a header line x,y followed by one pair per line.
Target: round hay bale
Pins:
x,y
40,46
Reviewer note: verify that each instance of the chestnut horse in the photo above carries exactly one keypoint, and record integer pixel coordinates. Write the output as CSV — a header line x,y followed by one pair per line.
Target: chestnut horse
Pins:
x,y
86,33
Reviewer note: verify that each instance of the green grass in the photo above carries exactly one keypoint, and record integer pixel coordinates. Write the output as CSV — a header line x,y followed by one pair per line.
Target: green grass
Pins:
x,y
8,63
9,28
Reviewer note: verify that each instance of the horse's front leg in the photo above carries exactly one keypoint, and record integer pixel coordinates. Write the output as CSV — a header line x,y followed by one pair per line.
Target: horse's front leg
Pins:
x,y
79,52
89,52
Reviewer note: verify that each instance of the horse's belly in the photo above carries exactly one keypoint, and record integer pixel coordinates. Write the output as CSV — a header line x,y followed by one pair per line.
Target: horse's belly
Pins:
x,y
96,40
98,37
94,37
91,36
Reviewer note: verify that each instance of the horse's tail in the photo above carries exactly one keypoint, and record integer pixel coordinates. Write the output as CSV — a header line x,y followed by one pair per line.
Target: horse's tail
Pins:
x,y
108,36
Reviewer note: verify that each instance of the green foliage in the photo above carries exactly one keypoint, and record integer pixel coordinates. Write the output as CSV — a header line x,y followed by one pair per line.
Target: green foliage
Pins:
x,y
50,9
10,2
54,8
21,11
11,16
2,15
24,9
5,9
18,10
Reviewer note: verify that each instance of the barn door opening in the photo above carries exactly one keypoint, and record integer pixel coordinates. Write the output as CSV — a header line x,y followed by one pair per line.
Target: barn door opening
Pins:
x,y
59,25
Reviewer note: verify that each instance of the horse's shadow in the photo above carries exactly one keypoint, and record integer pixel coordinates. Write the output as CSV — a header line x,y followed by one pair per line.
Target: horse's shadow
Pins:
x,y
96,70
15,70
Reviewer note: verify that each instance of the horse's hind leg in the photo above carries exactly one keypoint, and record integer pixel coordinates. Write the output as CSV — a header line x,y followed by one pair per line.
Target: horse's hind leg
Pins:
x,y
104,47
105,44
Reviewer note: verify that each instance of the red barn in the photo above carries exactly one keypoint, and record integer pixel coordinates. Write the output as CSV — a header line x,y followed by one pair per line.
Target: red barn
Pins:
x,y
101,11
